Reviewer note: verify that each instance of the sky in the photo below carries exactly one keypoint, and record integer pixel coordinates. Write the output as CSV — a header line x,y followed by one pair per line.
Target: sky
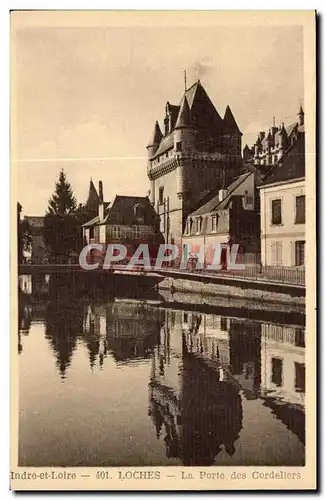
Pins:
x,y
85,99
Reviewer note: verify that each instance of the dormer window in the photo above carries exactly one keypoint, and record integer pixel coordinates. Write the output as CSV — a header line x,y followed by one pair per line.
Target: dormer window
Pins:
x,y
139,212
198,224
214,222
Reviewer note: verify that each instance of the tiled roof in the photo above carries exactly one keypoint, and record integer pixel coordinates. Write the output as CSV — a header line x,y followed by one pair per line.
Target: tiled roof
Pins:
x,y
290,167
229,123
214,204
156,136
191,92
203,113
184,116
289,129
122,210
91,222
92,193
166,143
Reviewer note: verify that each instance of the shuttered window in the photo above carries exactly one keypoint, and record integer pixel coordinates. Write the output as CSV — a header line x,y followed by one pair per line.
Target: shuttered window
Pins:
x,y
276,211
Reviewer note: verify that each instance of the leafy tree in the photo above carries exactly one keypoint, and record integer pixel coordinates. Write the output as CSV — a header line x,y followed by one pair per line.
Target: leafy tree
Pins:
x,y
62,231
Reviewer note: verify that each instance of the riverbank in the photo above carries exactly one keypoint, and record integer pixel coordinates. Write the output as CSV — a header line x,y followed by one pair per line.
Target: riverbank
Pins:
x,y
241,296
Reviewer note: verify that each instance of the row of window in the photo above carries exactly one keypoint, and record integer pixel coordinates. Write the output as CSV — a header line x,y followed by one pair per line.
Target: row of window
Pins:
x,y
117,233
277,374
198,222
277,250
300,210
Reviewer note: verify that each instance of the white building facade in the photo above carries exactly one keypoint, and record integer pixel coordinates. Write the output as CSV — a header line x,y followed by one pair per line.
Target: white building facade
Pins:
x,y
283,223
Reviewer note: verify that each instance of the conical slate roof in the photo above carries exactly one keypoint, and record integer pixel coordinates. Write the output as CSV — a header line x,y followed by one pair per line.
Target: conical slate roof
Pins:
x,y
184,116
229,123
93,197
156,136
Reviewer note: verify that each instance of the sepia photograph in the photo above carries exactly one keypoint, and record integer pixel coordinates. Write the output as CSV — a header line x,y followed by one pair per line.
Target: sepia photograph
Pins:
x,y
163,250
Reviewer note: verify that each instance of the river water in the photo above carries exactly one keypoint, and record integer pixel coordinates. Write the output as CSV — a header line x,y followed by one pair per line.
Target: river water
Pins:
x,y
126,382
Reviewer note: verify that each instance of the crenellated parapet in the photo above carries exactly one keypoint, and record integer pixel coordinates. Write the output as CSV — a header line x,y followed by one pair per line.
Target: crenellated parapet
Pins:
x,y
196,159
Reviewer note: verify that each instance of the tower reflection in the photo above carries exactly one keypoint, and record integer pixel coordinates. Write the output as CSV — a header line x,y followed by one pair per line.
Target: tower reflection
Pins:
x,y
192,401
205,364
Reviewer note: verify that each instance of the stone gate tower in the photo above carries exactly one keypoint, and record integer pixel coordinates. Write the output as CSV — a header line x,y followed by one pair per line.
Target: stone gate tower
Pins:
x,y
197,154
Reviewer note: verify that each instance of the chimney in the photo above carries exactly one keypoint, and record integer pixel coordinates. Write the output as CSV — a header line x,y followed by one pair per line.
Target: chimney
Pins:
x,y
261,135
101,201
222,194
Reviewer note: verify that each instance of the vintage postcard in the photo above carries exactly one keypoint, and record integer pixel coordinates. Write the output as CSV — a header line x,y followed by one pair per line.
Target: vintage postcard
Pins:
x,y
163,258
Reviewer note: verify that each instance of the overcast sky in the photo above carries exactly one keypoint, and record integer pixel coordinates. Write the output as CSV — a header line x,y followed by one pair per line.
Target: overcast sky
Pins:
x,y
95,92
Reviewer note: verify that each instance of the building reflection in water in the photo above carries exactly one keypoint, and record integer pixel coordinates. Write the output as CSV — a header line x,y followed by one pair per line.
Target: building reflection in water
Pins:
x,y
201,366
128,330
194,404
283,374
24,322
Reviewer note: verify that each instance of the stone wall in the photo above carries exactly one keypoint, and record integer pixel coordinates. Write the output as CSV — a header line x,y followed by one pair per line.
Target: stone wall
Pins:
x,y
251,296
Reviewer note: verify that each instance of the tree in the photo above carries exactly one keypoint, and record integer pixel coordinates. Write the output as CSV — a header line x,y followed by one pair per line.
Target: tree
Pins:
x,y
62,230
63,201
24,239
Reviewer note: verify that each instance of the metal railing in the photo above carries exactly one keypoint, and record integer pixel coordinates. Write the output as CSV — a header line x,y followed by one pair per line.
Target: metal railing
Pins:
x,y
278,274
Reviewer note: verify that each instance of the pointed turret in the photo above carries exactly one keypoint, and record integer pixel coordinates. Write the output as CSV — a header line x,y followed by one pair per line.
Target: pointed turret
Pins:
x,y
101,201
156,136
269,138
92,200
247,154
184,117
282,137
229,123
155,140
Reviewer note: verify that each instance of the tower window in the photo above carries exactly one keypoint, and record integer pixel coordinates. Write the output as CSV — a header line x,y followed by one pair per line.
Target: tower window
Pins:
x,y
178,147
160,195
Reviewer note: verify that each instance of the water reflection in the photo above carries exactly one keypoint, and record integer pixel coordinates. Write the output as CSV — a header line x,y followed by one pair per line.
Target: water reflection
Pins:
x,y
63,325
200,372
191,404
